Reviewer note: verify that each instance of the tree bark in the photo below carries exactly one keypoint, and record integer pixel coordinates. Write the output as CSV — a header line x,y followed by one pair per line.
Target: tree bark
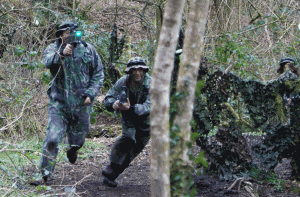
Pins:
x,y
158,17
159,95
186,84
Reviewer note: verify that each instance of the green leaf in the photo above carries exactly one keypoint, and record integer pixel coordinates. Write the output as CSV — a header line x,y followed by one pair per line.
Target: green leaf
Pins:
x,y
40,187
32,66
178,177
199,86
93,120
32,53
19,50
46,78
3,168
201,159
194,136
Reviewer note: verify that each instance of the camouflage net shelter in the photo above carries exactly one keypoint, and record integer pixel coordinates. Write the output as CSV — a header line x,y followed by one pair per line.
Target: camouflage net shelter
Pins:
x,y
231,108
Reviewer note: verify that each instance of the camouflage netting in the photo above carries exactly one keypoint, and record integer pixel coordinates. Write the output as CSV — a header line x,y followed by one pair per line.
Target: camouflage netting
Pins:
x,y
230,107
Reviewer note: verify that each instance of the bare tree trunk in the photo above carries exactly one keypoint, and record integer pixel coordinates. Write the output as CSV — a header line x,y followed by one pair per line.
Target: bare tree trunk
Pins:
x,y
159,95
186,84
158,17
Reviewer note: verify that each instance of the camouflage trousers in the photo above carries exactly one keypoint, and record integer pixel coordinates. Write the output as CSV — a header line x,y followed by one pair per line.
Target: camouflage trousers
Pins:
x,y
73,123
127,147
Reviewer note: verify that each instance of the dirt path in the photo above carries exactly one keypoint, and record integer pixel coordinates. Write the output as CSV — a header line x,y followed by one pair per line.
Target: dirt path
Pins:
x,y
84,178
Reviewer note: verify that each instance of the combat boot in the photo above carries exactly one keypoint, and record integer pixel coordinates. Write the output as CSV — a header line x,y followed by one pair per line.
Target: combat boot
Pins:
x,y
109,171
109,183
40,182
72,156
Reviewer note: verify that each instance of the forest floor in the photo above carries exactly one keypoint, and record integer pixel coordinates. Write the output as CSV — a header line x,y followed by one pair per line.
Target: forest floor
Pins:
x,y
84,178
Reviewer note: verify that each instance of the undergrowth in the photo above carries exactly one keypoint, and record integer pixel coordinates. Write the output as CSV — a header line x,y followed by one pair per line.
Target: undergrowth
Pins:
x,y
263,176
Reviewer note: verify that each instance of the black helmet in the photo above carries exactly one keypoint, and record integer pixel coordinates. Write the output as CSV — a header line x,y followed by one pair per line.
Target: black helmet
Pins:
x,y
66,25
283,61
136,62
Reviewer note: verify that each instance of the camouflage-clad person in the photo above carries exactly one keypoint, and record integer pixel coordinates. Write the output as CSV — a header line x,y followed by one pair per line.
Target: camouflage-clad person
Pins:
x,y
293,101
77,76
135,118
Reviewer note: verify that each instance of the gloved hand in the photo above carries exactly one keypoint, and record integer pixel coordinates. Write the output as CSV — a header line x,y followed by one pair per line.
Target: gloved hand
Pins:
x,y
68,50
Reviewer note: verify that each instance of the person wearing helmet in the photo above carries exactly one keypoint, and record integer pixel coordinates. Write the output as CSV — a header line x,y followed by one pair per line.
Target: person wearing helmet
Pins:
x,y
287,74
77,73
284,62
292,100
135,113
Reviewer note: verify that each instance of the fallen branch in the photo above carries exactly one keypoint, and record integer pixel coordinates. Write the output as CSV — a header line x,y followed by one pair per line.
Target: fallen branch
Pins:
x,y
80,181
234,183
249,191
10,190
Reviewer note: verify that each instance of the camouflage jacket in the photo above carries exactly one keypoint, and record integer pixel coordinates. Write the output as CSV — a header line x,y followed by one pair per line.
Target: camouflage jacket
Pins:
x,y
74,76
286,83
139,114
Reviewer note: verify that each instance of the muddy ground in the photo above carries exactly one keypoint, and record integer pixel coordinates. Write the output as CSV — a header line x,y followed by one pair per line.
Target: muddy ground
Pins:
x,y
84,178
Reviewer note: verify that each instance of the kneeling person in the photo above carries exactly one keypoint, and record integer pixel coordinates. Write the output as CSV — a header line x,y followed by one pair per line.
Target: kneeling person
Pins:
x,y
135,117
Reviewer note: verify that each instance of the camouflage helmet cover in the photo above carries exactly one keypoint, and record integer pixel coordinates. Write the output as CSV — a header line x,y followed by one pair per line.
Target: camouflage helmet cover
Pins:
x,y
136,62
69,24
283,61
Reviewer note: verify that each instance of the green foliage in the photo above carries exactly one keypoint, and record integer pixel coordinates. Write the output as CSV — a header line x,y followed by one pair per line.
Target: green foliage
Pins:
x,y
263,176
93,117
19,50
242,105
90,149
14,162
199,86
182,173
46,77
20,161
234,51
201,160
276,147
99,107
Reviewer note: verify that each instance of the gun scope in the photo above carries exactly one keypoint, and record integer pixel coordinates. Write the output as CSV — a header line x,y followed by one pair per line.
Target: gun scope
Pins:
x,y
78,33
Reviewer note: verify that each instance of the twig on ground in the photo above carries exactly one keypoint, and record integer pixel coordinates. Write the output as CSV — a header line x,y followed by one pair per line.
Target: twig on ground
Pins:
x,y
234,183
247,188
80,181
249,191
10,190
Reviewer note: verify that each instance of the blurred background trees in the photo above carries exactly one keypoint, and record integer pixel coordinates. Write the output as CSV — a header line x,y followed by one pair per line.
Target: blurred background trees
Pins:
x,y
247,38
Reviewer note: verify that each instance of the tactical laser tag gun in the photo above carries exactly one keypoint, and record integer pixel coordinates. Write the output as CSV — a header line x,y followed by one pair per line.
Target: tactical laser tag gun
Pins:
x,y
123,96
74,37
